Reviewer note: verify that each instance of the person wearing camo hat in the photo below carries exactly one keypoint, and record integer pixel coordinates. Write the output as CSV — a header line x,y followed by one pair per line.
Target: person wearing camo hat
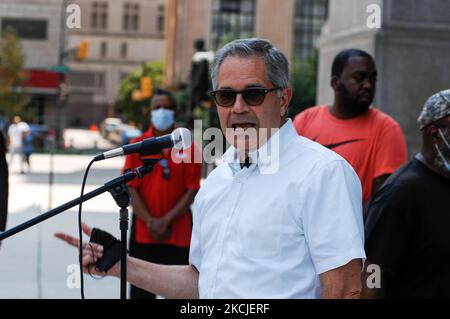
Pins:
x,y
436,112
407,225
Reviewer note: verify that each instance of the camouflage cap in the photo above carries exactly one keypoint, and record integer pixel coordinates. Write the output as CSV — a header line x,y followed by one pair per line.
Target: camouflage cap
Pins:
x,y
436,107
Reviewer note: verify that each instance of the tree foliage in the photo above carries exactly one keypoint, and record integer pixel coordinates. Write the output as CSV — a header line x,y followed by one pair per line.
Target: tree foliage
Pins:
x,y
12,59
138,111
304,84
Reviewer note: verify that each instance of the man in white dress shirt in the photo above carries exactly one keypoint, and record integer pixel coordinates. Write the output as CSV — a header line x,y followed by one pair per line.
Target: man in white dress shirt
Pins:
x,y
281,217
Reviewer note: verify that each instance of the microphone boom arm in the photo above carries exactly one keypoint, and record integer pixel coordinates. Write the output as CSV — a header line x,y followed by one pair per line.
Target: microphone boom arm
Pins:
x,y
125,178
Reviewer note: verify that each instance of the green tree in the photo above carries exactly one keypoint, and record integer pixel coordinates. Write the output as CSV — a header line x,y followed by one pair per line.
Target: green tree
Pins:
x,y
138,111
304,82
11,76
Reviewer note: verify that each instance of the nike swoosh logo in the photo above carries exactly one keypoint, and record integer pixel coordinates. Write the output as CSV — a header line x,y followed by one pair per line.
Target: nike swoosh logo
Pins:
x,y
331,146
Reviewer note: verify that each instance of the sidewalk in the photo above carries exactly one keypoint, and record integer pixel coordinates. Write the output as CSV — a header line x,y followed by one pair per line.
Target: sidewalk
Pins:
x,y
34,264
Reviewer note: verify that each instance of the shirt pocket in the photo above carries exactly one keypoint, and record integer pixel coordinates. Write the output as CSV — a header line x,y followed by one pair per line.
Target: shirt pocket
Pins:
x,y
259,233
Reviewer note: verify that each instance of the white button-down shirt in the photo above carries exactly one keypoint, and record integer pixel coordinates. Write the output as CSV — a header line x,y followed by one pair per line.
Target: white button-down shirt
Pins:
x,y
269,233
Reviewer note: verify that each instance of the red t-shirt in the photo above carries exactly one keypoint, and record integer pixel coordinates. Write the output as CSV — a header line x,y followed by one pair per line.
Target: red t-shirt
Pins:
x,y
160,194
373,143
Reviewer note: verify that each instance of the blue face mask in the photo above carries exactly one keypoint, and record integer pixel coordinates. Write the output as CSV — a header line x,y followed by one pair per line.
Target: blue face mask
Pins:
x,y
162,119
446,164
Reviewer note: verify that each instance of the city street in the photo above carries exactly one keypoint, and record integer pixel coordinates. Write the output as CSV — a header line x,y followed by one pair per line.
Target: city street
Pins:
x,y
80,139
33,263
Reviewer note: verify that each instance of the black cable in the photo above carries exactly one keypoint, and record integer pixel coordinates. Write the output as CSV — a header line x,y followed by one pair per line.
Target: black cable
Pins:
x,y
80,233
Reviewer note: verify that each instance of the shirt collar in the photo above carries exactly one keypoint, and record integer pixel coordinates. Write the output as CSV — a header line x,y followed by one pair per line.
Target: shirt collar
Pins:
x,y
268,155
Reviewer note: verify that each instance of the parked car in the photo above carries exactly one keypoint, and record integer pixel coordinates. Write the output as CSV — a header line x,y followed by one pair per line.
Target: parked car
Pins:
x,y
124,133
109,125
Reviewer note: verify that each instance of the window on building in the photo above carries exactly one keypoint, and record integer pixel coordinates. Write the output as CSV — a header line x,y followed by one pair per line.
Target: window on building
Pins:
x,y
310,15
232,19
87,79
161,19
99,15
103,49
130,20
123,50
100,80
82,79
29,29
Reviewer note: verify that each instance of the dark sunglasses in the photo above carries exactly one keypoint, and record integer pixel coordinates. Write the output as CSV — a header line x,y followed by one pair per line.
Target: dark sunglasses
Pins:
x,y
251,96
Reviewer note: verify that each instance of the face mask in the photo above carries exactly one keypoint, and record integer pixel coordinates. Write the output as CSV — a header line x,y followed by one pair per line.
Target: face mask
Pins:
x,y
446,164
162,119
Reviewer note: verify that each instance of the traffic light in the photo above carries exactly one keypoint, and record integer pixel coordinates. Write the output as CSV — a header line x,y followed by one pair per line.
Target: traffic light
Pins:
x,y
146,86
136,95
82,50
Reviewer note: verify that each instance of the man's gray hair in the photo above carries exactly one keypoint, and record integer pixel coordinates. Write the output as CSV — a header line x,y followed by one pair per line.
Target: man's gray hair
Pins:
x,y
277,65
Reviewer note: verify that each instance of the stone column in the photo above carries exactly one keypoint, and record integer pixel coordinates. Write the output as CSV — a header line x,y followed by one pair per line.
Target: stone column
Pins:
x,y
275,22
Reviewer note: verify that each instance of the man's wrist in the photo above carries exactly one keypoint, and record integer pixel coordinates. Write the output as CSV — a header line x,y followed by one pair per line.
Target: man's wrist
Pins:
x,y
148,220
168,218
115,270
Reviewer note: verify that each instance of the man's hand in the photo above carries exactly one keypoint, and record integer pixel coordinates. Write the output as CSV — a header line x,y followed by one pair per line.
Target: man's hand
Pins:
x,y
159,228
91,252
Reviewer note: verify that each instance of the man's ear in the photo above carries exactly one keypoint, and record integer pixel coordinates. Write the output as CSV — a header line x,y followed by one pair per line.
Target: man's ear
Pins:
x,y
334,82
285,100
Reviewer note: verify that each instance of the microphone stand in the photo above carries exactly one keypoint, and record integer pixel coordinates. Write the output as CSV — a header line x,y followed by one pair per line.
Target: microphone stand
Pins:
x,y
118,189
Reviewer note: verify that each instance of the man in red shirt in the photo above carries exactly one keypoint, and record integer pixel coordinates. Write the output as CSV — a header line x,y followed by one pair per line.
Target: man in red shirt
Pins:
x,y
370,140
161,228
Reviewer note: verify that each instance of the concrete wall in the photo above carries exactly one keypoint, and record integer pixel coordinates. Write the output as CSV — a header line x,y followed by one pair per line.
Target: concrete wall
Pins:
x,y
413,58
275,22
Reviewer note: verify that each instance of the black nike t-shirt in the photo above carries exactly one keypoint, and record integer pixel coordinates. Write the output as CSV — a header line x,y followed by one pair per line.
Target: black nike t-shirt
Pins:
x,y
408,233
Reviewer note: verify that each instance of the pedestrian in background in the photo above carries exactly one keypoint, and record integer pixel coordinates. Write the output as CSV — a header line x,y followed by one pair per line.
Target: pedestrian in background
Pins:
x,y
199,78
161,226
16,133
27,149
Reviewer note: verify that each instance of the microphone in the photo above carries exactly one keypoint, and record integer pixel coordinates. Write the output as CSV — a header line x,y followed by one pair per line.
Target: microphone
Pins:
x,y
180,138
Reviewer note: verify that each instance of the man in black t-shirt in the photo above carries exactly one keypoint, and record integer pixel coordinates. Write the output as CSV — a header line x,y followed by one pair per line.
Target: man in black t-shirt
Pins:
x,y
407,229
